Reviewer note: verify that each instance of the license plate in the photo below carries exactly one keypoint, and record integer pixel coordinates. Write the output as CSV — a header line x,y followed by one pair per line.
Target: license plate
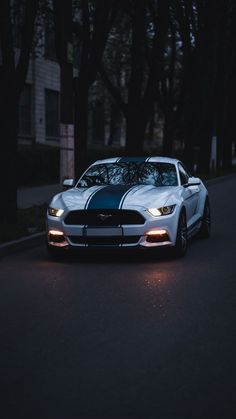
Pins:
x,y
103,231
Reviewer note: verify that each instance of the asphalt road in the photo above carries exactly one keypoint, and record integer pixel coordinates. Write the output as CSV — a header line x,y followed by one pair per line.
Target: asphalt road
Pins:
x,y
119,337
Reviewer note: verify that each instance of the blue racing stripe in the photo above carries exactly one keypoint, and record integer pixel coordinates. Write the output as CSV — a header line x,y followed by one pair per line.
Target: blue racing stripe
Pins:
x,y
108,197
133,159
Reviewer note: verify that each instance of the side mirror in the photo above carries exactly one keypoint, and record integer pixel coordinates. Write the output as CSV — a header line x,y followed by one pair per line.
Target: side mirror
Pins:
x,y
68,183
193,181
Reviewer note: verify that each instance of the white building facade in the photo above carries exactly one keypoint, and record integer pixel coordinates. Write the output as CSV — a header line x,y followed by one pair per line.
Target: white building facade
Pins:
x,y
39,107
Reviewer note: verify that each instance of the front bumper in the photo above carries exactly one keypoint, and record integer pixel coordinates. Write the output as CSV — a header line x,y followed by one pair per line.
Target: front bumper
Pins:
x,y
155,232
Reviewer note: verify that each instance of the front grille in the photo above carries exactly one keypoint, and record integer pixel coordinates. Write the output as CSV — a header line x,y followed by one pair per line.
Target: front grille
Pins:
x,y
106,218
105,240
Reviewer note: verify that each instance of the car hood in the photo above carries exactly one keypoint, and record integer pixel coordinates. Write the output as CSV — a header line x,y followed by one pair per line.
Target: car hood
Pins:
x,y
115,196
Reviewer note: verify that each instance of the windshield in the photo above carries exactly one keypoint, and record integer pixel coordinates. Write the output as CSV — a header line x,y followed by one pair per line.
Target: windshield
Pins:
x,y
148,173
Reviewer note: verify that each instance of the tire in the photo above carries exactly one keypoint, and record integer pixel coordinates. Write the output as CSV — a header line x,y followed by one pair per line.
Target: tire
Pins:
x,y
205,229
181,243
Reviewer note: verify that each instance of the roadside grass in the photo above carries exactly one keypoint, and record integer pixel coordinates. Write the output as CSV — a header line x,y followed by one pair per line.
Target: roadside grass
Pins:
x,y
29,221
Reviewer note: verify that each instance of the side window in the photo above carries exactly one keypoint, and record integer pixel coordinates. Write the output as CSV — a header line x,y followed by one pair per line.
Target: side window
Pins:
x,y
183,175
96,175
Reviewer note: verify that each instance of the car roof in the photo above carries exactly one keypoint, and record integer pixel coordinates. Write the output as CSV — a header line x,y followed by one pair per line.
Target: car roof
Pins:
x,y
143,159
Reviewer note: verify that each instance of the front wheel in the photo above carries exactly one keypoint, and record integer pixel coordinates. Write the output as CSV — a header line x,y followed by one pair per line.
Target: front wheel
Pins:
x,y
205,229
180,247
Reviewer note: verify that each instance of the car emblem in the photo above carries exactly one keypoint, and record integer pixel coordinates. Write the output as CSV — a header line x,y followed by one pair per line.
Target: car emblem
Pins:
x,y
104,217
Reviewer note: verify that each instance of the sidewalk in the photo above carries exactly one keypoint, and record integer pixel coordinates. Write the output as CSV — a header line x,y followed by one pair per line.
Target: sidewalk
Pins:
x,y
36,195
26,198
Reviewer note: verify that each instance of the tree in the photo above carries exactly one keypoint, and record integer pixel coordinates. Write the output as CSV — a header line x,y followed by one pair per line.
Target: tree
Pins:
x,y
64,48
206,82
97,18
168,94
226,84
12,79
148,34
207,78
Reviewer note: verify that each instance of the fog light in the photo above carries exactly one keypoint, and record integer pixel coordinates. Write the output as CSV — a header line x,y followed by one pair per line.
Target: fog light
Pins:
x,y
56,233
56,236
156,232
157,236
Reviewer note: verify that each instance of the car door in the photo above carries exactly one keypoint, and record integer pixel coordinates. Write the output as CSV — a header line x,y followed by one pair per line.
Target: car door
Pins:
x,y
190,195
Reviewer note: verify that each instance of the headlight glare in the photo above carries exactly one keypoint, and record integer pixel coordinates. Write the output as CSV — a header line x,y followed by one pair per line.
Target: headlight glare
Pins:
x,y
55,212
157,212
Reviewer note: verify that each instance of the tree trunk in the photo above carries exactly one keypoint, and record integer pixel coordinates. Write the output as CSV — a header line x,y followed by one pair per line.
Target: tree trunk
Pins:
x,y
63,31
151,128
205,148
11,83
115,125
8,154
135,133
135,119
81,126
98,123
168,133
93,36
8,120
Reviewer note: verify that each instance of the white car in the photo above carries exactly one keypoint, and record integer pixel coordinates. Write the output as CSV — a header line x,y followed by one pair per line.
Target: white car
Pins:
x,y
131,202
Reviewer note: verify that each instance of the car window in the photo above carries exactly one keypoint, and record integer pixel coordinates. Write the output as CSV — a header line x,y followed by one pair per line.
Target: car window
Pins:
x,y
158,174
184,176
130,173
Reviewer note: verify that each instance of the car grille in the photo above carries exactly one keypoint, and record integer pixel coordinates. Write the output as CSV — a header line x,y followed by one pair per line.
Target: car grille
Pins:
x,y
104,240
97,218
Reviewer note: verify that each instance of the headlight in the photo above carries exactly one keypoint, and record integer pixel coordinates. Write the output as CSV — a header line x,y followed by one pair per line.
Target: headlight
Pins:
x,y
55,212
157,212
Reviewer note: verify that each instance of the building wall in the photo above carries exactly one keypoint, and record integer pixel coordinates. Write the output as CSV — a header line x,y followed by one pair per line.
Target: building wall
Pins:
x,y
42,74
46,75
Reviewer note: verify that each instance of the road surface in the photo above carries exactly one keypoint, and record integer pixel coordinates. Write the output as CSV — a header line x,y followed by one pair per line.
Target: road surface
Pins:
x,y
123,337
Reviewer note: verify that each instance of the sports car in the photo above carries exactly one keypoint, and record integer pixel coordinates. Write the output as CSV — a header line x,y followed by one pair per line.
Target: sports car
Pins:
x,y
129,202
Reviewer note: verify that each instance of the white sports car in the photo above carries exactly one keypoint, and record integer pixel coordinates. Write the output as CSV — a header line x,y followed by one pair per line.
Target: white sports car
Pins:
x,y
129,202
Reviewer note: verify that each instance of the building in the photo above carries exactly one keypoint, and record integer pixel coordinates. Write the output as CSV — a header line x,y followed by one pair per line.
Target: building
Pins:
x,y
39,105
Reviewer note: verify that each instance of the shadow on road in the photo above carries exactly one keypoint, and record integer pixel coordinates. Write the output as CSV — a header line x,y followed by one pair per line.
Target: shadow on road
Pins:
x,y
117,255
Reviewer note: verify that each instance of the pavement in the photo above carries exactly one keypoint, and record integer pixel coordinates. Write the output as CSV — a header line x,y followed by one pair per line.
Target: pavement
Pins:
x,y
37,195
27,198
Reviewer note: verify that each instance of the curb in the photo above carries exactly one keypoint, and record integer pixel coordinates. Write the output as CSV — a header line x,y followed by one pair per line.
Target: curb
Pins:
x,y
21,244
38,239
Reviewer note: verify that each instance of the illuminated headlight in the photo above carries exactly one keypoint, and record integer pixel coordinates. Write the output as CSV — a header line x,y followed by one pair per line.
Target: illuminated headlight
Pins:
x,y
55,212
158,212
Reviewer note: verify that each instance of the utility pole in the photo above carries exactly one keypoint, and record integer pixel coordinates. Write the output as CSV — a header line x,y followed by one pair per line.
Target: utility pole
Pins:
x,y
64,46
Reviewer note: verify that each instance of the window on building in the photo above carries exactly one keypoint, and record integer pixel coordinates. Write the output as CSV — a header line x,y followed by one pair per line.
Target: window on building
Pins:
x,y
52,114
25,111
